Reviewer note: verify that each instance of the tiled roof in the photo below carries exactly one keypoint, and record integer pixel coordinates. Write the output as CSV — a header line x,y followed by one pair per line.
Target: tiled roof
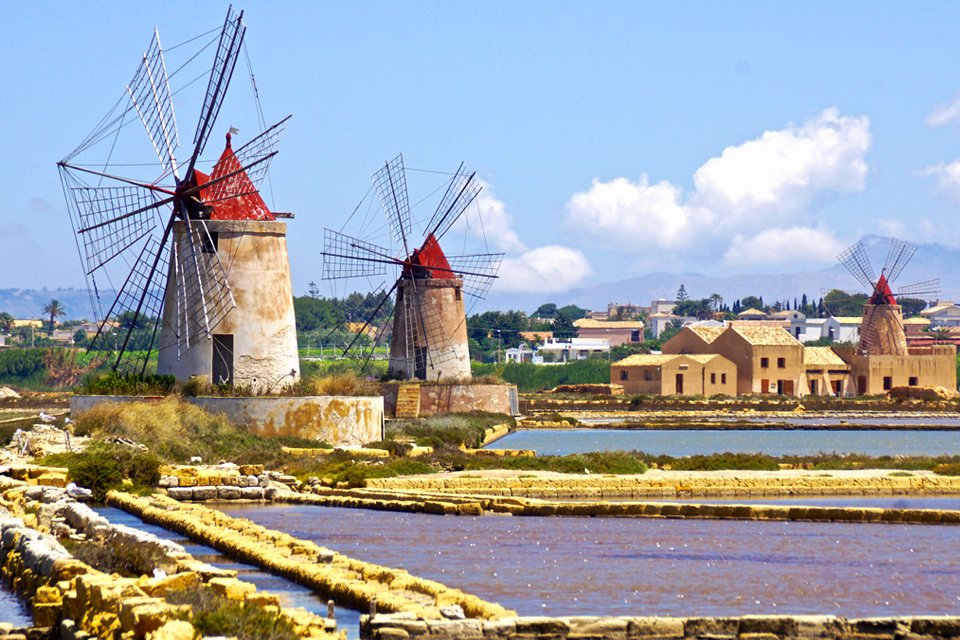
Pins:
x,y
765,335
708,334
659,359
588,323
937,309
823,356
917,320
752,312
848,319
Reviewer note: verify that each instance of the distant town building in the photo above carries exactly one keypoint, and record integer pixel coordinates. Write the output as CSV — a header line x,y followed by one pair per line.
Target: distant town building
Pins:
x,y
667,375
557,351
615,332
943,314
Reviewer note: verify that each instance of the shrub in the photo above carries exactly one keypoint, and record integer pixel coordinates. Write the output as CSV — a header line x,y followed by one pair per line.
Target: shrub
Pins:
x,y
118,384
343,384
948,469
104,466
214,615
531,377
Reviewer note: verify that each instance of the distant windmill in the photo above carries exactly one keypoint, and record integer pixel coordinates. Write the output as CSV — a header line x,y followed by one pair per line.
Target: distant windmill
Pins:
x,y
176,248
429,337
881,331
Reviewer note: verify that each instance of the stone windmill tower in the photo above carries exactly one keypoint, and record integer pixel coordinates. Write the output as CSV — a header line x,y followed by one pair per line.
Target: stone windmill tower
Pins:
x,y
429,336
198,261
881,331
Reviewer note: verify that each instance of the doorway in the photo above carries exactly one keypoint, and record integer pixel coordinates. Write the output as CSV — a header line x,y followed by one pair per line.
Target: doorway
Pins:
x,y
679,384
223,359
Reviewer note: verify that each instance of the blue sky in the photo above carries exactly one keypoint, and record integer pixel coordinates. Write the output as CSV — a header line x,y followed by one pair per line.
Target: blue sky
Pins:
x,y
615,138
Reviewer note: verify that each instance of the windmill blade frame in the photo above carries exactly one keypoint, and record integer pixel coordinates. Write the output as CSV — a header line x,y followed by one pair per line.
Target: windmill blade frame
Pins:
x,y
348,257
462,190
478,271
149,90
225,61
898,255
263,145
855,259
926,290
390,183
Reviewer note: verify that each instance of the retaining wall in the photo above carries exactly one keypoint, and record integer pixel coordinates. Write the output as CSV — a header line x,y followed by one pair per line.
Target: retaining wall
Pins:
x,y
336,420
441,398
394,627
675,484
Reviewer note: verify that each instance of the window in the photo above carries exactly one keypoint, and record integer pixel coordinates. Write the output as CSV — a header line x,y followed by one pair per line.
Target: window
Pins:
x,y
887,383
209,243
781,363
723,378
623,374
913,381
764,363
647,375
635,335
713,378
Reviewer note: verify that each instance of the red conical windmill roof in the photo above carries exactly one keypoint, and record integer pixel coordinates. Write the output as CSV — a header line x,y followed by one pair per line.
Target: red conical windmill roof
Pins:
x,y
882,294
235,198
432,257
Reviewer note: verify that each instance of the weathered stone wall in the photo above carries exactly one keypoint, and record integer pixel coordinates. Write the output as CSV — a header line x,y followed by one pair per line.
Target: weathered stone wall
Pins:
x,y
336,420
659,484
753,627
441,399
436,306
263,326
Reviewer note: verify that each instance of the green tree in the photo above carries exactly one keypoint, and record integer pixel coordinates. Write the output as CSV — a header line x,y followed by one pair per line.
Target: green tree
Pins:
x,y
911,306
6,322
716,301
546,310
573,312
751,302
53,309
563,327
313,314
682,295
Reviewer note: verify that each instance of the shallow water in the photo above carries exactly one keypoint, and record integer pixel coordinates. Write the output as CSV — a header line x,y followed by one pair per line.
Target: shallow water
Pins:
x,y
690,442
809,421
619,566
12,610
290,593
876,502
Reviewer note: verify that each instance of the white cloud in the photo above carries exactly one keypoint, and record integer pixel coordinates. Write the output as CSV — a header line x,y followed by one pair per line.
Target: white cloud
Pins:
x,y
947,178
774,180
626,212
544,269
945,113
783,172
783,246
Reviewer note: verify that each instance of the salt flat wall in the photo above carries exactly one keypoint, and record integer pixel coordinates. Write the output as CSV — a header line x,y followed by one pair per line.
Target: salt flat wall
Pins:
x,y
440,398
336,420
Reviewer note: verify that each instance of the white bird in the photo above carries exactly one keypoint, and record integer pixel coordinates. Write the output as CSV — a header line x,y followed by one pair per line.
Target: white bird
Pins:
x,y
77,493
67,421
196,460
46,418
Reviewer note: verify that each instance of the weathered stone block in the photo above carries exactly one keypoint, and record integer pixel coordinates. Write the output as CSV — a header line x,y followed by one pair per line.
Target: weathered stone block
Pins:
x,y
654,626
711,627
776,625
204,493
228,493
180,493
232,588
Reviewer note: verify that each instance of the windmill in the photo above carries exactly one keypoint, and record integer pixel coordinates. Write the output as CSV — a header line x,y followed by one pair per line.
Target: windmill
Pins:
x,y
429,334
881,331
168,241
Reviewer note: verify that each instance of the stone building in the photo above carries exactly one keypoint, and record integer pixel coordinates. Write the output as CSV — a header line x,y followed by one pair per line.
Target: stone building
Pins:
x,y
826,373
667,375
615,332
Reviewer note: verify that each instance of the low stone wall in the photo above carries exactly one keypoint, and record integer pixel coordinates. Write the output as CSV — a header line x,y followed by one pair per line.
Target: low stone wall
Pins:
x,y
76,601
754,627
674,484
442,398
474,505
336,420
351,582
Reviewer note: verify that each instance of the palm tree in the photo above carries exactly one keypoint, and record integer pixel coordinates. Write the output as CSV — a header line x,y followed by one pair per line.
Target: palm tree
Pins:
x,y
55,310
716,300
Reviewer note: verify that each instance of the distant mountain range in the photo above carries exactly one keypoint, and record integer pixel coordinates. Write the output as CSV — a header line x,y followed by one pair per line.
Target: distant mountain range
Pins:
x,y
931,261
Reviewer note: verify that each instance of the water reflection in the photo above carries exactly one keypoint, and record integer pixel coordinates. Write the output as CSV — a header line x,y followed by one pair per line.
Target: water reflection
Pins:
x,y
688,442
612,566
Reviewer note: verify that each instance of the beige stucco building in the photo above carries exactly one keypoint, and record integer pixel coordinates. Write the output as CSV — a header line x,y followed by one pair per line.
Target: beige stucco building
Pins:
x,y
615,332
667,375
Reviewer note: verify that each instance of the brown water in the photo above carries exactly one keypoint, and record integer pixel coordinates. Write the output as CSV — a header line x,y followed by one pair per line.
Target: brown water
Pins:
x,y
619,566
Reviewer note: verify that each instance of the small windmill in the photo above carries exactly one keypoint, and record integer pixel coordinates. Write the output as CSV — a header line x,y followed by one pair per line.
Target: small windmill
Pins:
x,y
429,337
881,331
164,234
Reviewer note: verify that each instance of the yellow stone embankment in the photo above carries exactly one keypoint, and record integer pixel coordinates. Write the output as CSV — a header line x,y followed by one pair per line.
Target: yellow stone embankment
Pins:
x,y
350,582
676,484
494,433
37,475
463,504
